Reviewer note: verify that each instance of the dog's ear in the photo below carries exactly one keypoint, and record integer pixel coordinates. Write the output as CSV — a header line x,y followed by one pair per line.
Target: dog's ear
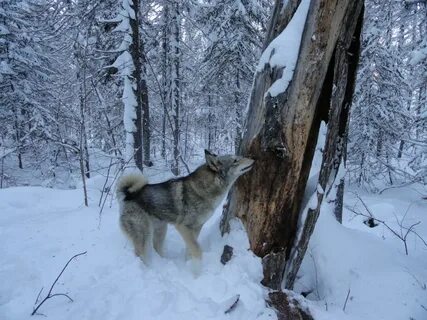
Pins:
x,y
207,152
212,160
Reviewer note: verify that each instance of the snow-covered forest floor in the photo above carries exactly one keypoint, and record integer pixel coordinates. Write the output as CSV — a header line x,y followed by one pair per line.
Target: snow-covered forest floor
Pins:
x,y
41,228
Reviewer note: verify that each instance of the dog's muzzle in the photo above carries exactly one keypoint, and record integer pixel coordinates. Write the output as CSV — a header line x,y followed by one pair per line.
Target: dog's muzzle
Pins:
x,y
245,169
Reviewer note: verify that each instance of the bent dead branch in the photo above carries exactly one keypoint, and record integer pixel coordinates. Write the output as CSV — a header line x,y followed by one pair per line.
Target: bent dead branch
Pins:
x,y
49,294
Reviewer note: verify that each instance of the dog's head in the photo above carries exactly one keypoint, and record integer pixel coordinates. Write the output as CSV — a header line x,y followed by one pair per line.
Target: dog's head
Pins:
x,y
228,167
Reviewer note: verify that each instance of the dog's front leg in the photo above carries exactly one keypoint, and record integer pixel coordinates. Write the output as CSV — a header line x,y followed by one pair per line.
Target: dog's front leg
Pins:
x,y
190,241
196,232
193,247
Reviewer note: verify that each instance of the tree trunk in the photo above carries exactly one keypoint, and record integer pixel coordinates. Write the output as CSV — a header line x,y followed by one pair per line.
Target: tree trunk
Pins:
x,y
281,132
210,121
135,50
84,164
18,136
186,136
18,148
237,93
165,75
175,85
84,149
339,200
146,131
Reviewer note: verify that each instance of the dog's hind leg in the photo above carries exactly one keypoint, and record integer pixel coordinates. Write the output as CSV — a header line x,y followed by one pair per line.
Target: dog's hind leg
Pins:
x,y
140,232
160,229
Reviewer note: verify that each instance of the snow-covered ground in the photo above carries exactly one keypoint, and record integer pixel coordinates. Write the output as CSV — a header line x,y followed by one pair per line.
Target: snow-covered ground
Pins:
x,y
41,228
369,264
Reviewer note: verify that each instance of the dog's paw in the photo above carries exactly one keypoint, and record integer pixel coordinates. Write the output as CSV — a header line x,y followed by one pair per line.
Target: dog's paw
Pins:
x,y
196,267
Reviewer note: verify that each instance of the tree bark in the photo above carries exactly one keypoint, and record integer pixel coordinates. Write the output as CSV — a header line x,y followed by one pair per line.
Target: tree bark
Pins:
x,y
210,122
18,137
165,75
84,148
140,92
237,99
176,85
146,131
287,308
281,131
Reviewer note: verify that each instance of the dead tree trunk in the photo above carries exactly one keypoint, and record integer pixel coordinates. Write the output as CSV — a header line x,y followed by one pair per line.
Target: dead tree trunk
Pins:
x,y
281,133
345,64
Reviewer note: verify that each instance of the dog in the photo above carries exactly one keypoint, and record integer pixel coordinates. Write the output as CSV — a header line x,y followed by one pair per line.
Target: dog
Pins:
x,y
186,202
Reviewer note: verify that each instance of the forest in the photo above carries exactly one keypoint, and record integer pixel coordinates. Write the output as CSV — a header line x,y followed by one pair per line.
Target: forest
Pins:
x,y
328,97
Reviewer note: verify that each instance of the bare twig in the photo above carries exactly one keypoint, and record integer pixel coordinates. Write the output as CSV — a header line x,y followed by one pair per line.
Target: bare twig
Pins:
x,y
49,294
346,299
105,183
38,296
109,189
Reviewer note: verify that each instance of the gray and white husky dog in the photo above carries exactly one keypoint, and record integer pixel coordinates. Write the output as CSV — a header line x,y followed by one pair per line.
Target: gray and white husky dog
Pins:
x,y
187,203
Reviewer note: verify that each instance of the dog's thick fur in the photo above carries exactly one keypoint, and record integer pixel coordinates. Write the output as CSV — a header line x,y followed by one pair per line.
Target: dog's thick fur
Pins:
x,y
186,202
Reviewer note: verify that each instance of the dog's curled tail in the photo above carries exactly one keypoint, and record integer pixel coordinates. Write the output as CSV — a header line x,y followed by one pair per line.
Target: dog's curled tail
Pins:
x,y
129,184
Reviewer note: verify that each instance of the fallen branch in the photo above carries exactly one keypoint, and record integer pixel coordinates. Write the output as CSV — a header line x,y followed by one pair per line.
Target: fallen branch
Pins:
x,y
49,294
236,299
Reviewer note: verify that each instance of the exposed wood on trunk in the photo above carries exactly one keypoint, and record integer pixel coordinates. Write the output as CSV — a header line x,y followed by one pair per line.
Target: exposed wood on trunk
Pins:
x,y
278,22
273,265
